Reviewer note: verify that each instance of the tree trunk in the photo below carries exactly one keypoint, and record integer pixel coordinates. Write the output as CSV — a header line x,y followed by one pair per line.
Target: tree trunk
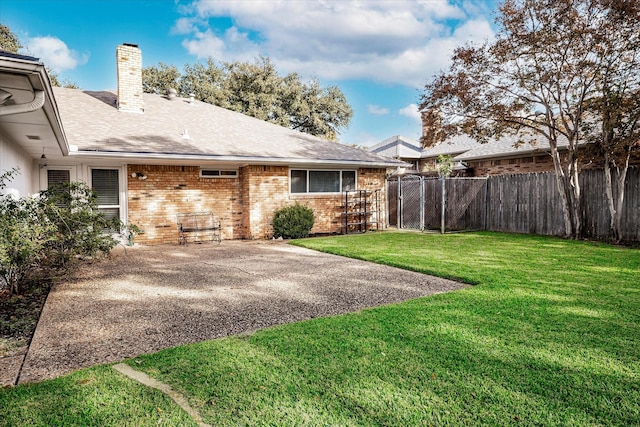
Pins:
x,y
574,195
615,199
562,184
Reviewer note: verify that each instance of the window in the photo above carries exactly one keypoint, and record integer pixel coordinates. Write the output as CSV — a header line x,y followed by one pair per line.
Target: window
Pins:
x,y
216,173
58,176
105,182
322,181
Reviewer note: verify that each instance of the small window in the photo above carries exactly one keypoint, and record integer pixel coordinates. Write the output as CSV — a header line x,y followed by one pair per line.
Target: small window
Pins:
x,y
58,176
322,181
218,173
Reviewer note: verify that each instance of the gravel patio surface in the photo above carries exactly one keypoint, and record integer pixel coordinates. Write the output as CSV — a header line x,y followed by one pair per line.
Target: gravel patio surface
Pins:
x,y
147,298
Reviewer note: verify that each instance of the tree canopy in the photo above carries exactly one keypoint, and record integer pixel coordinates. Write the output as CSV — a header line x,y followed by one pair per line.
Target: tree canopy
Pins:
x,y
8,40
256,89
542,79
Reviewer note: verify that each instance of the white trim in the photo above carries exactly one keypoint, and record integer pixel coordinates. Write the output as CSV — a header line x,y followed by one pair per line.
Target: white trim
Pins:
x,y
44,178
240,160
122,188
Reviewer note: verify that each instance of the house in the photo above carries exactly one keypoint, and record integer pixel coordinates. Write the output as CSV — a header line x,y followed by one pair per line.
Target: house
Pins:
x,y
401,148
150,157
471,158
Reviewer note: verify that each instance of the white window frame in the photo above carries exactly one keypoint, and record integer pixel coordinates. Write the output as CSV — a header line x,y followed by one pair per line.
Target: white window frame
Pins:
x,y
44,177
308,193
228,173
122,196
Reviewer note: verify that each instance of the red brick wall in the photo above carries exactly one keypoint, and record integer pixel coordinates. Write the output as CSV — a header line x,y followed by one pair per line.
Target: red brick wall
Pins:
x,y
245,205
510,166
264,190
169,190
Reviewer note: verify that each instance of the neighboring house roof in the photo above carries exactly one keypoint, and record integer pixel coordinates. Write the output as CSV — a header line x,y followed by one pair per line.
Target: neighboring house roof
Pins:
x,y
398,147
93,124
505,147
452,146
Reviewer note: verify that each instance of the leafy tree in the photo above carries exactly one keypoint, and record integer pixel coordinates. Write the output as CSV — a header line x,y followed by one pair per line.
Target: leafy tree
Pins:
x,y
444,165
321,111
256,89
615,107
158,79
9,41
534,81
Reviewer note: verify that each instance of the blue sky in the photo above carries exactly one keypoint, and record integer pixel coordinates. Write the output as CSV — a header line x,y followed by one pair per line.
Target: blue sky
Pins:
x,y
379,53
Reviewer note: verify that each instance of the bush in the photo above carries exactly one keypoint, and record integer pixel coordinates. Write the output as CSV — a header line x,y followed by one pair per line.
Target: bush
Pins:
x,y
42,236
293,222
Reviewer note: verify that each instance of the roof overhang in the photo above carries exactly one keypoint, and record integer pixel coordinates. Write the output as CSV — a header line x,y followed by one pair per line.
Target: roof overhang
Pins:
x,y
175,158
35,130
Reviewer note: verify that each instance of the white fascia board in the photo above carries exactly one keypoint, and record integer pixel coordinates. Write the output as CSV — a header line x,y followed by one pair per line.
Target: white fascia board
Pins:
x,y
196,159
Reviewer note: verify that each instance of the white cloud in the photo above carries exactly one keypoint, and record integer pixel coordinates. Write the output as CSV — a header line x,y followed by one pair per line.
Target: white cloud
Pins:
x,y
377,110
232,45
399,41
411,111
55,53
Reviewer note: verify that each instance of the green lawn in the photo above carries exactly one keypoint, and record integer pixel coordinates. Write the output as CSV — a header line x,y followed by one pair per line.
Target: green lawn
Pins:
x,y
550,335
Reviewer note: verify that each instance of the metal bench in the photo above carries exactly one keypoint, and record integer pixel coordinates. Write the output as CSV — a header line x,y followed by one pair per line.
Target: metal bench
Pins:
x,y
198,227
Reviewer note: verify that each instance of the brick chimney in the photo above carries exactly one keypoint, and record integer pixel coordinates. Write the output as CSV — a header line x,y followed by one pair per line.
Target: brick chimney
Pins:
x,y
129,66
431,127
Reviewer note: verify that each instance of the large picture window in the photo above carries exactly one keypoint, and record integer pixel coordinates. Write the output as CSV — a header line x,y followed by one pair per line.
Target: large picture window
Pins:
x,y
105,182
322,181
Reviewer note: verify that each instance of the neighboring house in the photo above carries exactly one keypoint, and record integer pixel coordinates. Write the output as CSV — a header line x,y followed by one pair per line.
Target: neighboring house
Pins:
x,y
150,157
471,158
401,148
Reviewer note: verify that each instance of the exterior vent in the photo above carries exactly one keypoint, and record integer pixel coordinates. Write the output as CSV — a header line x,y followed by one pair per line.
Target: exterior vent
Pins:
x,y
34,137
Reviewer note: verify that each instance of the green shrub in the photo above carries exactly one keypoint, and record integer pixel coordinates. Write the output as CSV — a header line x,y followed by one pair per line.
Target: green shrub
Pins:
x,y
43,236
293,222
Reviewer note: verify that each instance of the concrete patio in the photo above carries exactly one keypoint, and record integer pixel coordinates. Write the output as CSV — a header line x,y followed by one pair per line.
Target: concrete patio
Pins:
x,y
147,298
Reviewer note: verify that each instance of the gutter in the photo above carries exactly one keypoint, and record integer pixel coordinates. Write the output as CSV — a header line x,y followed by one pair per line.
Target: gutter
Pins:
x,y
27,107
36,73
256,160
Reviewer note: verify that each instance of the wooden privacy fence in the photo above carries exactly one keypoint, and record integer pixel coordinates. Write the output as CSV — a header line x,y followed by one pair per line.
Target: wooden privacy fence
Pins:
x,y
522,203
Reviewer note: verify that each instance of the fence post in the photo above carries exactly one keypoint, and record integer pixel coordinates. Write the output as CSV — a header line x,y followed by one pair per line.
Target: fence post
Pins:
x,y
486,204
442,209
399,208
421,203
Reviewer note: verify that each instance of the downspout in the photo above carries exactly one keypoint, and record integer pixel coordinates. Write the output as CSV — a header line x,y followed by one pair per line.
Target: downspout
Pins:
x,y
27,107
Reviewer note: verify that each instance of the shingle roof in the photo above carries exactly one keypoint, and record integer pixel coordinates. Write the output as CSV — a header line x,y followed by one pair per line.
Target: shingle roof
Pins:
x,y
398,147
454,145
505,147
93,123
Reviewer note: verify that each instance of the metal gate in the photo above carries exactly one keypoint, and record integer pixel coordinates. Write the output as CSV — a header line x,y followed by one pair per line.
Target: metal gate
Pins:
x,y
449,204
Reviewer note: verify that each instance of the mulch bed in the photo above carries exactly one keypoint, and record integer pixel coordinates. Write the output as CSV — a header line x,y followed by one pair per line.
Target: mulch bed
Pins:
x,y
19,316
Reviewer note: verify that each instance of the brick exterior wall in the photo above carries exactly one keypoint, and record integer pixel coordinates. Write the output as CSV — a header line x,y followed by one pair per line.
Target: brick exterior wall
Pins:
x,y
153,203
129,70
245,205
511,166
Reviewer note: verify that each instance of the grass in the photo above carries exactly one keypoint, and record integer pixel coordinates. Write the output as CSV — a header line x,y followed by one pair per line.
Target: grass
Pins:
x,y
549,336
